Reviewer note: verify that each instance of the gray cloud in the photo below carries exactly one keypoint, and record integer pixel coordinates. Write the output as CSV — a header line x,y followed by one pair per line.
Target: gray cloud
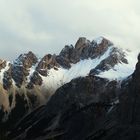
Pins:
x,y
45,26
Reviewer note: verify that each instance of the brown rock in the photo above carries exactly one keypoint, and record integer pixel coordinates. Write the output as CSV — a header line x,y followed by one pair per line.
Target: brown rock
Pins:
x,y
28,59
82,43
46,63
7,79
2,64
36,79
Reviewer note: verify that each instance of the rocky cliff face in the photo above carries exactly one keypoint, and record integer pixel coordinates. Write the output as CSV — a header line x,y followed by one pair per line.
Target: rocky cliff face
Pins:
x,y
29,82
17,72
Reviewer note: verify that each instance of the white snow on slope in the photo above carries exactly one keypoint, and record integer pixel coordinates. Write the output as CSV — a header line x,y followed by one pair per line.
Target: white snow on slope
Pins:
x,y
57,78
122,70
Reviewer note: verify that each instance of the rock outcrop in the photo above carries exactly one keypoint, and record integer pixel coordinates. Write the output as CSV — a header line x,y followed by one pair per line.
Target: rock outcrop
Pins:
x,y
47,62
115,57
2,64
84,49
21,67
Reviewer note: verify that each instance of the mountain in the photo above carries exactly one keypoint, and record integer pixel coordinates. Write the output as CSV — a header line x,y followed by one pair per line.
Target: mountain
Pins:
x,y
87,108
88,73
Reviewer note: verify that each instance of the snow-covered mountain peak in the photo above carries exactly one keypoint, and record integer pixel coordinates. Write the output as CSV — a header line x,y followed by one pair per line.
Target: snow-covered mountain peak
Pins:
x,y
98,57
43,77
99,40
83,79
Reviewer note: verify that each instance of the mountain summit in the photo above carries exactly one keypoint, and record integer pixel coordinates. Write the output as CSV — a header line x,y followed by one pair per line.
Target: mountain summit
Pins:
x,y
87,108
29,81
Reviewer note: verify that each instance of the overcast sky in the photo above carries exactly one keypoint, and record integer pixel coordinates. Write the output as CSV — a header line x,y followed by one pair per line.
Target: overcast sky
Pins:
x,y
45,26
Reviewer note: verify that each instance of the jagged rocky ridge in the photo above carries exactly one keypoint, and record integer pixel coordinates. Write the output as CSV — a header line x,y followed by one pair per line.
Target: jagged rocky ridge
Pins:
x,y
88,108
29,81
27,70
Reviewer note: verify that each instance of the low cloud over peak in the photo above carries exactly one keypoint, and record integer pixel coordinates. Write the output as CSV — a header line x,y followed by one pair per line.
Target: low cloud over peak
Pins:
x,y
45,26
